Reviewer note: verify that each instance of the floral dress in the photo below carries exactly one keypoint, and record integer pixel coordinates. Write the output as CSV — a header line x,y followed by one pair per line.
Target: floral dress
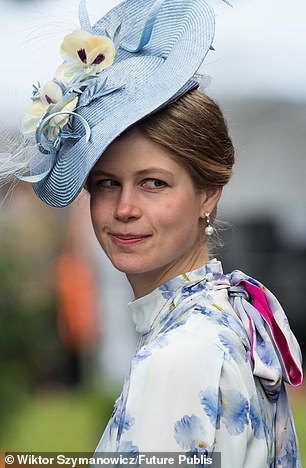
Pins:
x,y
208,375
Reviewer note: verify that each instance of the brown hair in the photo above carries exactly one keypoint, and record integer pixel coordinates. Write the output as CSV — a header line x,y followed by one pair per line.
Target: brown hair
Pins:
x,y
194,130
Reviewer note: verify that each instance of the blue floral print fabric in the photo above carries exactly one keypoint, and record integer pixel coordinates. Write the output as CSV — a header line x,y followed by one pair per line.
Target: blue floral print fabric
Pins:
x,y
208,373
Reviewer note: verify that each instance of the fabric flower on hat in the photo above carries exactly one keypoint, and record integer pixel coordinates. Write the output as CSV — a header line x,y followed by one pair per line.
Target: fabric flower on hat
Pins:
x,y
85,55
48,99
49,118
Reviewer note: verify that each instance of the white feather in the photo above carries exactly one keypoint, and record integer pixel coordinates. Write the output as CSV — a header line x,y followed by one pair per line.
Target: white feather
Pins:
x,y
16,155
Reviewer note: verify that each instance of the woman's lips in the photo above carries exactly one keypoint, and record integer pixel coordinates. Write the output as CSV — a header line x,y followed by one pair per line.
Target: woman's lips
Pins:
x,y
123,240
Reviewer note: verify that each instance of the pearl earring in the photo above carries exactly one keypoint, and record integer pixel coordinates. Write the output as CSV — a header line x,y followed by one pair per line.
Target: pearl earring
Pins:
x,y
209,230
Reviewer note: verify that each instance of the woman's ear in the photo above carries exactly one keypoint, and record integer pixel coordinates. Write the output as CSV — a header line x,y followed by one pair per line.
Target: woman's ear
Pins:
x,y
210,198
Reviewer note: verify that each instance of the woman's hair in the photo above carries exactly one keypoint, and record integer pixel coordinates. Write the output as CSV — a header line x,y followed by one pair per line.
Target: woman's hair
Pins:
x,y
194,130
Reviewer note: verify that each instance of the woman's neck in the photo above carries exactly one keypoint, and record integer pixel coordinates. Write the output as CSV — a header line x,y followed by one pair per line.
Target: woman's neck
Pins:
x,y
145,282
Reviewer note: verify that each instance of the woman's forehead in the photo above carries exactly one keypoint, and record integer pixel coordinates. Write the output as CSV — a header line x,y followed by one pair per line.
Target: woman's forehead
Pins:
x,y
134,151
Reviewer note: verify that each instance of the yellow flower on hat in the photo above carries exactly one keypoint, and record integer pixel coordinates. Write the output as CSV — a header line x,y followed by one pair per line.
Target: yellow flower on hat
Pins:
x,y
67,105
50,95
85,55
33,116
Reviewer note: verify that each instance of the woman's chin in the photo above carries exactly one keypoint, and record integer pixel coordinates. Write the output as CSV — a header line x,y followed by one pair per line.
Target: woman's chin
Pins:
x,y
131,266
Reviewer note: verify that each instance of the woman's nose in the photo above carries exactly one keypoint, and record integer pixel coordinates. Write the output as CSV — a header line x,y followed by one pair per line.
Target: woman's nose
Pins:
x,y
127,205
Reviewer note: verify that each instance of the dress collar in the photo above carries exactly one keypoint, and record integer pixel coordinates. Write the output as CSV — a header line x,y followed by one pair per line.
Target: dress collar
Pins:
x,y
149,310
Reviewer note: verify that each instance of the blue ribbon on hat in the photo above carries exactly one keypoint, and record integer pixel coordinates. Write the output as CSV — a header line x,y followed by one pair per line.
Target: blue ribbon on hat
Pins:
x,y
54,146
83,17
147,30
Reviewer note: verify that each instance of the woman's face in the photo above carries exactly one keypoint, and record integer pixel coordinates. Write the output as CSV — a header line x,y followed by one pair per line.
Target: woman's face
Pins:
x,y
146,212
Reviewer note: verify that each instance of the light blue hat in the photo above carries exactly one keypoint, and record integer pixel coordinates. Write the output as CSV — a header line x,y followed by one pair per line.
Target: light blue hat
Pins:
x,y
159,45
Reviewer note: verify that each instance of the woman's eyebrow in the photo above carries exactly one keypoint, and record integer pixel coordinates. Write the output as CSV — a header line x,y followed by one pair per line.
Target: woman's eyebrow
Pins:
x,y
98,172
149,170
141,172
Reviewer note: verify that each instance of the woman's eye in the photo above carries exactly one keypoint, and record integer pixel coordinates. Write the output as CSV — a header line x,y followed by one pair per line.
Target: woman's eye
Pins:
x,y
154,183
106,183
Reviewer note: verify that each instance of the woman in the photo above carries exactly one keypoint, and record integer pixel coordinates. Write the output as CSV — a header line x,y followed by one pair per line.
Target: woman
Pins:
x,y
123,116
205,376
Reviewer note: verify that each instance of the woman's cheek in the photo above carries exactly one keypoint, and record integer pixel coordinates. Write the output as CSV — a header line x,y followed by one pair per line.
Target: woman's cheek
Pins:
x,y
165,215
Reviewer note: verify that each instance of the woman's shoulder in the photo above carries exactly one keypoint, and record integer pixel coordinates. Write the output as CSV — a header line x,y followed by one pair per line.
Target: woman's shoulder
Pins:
x,y
212,327
207,318
198,350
